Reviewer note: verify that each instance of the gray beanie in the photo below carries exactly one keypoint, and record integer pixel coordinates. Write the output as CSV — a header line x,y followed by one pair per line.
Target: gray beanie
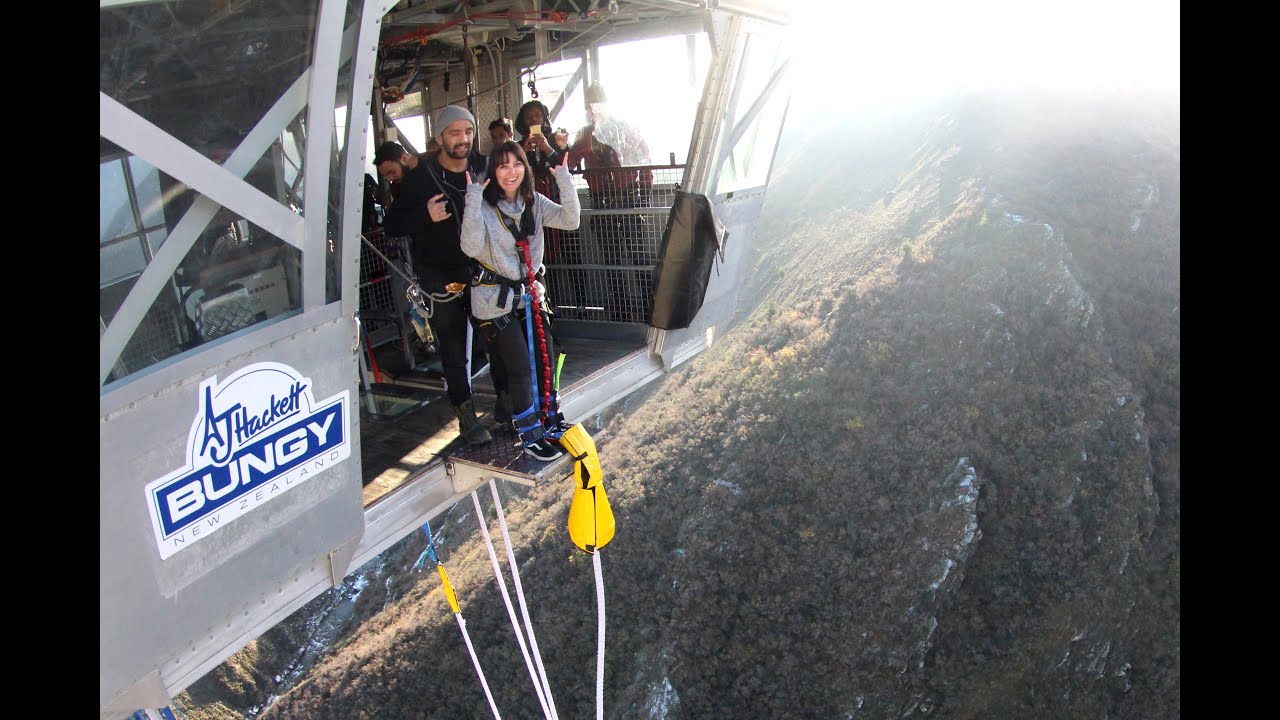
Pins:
x,y
450,114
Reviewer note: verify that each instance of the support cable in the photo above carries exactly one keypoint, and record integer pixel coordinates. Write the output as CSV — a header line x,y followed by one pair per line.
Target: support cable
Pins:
x,y
524,609
591,527
452,598
595,561
511,613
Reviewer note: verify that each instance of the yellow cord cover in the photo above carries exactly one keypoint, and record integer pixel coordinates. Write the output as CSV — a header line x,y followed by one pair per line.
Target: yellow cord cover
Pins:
x,y
448,590
586,469
591,524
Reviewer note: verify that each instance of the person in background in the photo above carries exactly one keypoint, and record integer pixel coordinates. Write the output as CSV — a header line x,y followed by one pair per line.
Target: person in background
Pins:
x,y
608,141
535,128
500,131
504,212
606,150
429,209
394,163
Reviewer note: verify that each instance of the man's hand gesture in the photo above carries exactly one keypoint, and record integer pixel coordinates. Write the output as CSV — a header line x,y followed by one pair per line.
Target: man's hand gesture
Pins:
x,y
438,209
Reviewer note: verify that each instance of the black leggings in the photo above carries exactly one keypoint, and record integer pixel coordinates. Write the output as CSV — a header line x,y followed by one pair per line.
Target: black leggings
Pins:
x,y
451,322
509,349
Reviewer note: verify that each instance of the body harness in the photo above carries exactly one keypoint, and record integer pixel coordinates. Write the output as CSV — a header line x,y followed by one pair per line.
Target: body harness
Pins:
x,y
549,405
421,304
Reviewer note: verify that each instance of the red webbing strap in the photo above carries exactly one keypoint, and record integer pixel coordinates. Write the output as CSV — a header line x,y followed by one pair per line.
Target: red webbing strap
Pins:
x,y
536,302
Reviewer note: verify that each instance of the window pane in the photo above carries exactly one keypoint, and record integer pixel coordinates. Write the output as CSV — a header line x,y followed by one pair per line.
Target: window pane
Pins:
x,y
629,72
291,190
234,276
155,239
204,72
120,259
146,183
414,130
340,125
747,164
336,191
552,81
161,334
116,214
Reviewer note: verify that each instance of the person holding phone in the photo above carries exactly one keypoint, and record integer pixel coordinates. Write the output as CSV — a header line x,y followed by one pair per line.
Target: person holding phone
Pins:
x,y
534,126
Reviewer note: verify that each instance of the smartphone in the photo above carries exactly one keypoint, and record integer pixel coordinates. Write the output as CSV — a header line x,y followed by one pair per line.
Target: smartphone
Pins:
x,y
535,130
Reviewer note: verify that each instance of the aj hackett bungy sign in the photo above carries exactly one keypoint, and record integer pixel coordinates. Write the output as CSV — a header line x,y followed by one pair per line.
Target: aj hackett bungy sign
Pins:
x,y
256,436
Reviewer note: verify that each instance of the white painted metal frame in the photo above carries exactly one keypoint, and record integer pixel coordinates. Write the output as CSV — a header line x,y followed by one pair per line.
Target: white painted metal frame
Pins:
x,y
714,132
320,102
224,186
737,131
710,124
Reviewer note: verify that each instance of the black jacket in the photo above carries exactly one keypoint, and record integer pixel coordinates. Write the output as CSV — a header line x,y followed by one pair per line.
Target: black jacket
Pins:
x,y
435,248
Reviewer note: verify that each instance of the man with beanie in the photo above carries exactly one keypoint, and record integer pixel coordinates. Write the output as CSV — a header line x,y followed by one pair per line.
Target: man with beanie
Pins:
x,y
429,210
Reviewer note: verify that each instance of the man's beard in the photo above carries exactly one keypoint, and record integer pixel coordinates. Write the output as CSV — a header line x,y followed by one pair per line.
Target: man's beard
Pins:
x,y
459,151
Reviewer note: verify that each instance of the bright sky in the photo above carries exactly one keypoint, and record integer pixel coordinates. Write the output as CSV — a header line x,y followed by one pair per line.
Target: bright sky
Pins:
x,y
887,51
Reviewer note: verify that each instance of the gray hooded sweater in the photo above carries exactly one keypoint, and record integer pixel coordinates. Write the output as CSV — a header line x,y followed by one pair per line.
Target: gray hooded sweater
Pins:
x,y
486,239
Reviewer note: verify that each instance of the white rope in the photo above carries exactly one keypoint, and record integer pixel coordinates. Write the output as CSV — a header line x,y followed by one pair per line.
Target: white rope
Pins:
x,y
511,613
595,561
524,610
462,624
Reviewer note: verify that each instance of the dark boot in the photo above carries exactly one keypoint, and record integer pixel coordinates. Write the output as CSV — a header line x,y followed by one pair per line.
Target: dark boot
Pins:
x,y
469,426
502,408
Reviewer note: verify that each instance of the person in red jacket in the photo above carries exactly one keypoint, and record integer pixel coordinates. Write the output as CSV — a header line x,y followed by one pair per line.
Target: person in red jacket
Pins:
x,y
614,156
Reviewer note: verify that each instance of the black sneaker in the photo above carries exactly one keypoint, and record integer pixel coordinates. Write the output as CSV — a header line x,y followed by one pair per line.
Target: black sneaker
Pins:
x,y
542,450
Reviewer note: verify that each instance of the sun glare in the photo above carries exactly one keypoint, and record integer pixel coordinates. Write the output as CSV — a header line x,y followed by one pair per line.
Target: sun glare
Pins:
x,y
886,51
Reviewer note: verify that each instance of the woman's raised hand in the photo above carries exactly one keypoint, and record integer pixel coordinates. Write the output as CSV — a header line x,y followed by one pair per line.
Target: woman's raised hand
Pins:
x,y
484,184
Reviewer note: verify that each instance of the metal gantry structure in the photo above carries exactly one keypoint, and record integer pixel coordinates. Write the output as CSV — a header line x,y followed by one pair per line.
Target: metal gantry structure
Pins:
x,y
236,138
